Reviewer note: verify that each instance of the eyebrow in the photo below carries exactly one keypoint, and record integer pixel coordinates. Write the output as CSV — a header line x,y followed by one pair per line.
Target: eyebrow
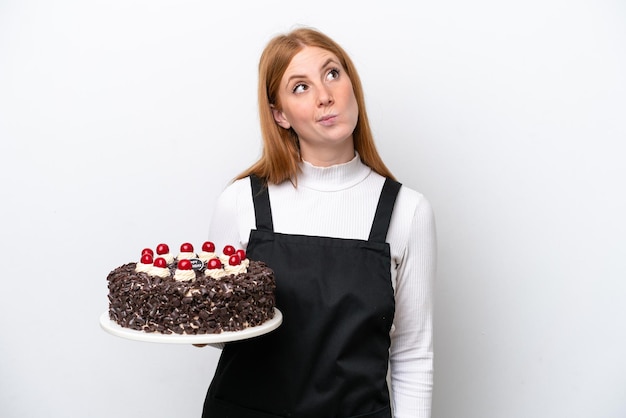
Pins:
x,y
328,61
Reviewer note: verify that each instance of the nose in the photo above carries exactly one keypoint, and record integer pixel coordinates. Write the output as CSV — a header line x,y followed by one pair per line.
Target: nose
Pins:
x,y
325,97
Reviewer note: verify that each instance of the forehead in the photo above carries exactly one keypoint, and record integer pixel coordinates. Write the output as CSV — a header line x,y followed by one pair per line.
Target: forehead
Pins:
x,y
309,59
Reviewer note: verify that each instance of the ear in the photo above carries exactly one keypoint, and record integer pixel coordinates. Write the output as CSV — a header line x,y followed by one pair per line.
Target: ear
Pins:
x,y
280,118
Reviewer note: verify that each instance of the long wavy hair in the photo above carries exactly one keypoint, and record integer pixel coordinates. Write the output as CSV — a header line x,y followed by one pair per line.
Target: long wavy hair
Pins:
x,y
280,156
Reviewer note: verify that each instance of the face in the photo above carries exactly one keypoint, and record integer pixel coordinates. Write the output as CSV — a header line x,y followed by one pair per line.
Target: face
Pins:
x,y
316,99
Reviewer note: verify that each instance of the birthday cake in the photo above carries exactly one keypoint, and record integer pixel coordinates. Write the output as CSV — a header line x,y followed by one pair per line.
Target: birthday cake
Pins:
x,y
191,293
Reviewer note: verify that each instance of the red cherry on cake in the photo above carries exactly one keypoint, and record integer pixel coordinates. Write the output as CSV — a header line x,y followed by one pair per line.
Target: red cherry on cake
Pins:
x,y
214,263
234,260
186,248
229,250
208,247
160,262
163,249
241,253
146,258
147,251
184,265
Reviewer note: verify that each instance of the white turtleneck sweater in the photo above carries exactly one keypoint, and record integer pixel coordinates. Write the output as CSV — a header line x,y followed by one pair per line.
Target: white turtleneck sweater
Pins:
x,y
340,201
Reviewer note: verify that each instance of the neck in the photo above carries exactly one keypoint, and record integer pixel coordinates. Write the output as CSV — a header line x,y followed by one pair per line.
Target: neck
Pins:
x,y
327,156
336,177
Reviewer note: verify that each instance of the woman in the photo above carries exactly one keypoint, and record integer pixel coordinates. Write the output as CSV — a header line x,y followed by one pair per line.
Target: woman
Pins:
x,y
353,252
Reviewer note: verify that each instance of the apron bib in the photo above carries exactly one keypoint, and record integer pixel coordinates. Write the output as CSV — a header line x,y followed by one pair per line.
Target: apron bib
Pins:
x,y
330,355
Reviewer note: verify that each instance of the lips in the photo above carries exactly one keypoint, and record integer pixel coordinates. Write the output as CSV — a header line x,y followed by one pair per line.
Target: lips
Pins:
x,y
327,119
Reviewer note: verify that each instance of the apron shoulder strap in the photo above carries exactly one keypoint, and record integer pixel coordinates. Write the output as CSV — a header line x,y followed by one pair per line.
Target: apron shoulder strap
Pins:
x,y
382,218
262,207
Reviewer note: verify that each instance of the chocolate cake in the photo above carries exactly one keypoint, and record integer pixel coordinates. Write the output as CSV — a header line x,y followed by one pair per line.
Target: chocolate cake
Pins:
x,y
191,294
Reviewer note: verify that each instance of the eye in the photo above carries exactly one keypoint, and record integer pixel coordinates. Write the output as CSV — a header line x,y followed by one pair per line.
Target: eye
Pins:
x,y
299,88
332,74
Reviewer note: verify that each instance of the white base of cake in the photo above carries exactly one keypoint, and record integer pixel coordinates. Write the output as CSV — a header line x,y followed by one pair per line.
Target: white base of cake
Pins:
x,y
114,328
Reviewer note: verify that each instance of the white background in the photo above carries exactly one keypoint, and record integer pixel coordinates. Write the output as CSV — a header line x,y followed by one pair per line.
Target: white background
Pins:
x,y
121,121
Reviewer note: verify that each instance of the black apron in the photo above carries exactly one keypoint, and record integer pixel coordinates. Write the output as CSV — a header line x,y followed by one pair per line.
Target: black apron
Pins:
x,y
329,357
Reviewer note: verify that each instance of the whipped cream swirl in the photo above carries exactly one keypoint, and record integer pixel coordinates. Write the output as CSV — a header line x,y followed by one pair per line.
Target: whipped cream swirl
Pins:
x,y
206,256
144,268
184,275
169,257
215,273
186,255
241,268
162,272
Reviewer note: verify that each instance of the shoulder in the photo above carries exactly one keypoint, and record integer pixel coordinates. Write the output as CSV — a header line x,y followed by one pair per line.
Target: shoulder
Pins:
x,y
412,223
235,199
236,187
409,204
234,192
233,214
413,202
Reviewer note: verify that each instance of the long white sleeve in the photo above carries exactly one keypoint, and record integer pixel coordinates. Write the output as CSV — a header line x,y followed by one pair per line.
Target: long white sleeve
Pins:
x,y
340,202
411,355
